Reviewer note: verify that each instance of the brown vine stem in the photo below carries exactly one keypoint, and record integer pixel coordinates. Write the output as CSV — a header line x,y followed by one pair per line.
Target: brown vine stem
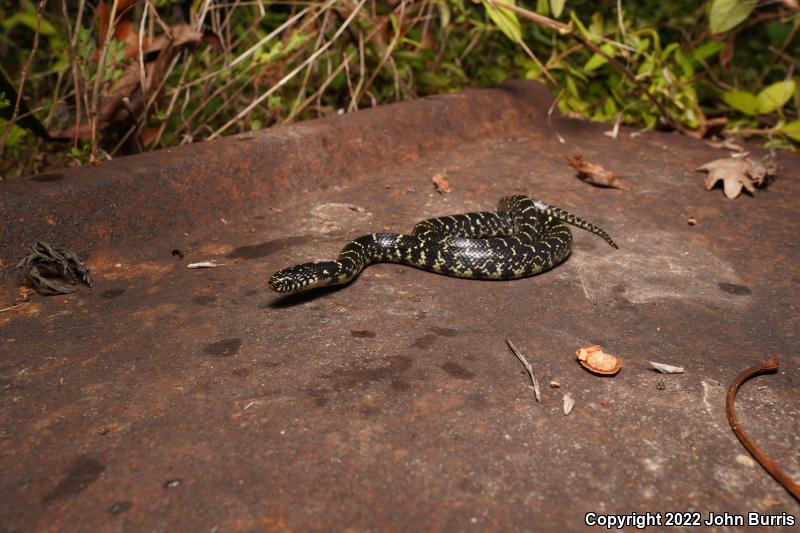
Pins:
x,y
567,29
768,366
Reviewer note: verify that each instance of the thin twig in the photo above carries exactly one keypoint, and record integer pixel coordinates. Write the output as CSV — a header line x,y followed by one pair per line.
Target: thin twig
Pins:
x,y
73,58
621,21
99,77
769,366
14,306
23,77
528,367
142,74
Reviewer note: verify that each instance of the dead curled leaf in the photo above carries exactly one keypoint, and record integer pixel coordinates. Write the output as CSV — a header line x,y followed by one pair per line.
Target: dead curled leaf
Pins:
x,y
666,369
593,359
441,183
738,173
595,174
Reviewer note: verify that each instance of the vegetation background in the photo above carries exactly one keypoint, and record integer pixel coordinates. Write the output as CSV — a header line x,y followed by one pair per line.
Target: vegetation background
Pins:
x,y
84,81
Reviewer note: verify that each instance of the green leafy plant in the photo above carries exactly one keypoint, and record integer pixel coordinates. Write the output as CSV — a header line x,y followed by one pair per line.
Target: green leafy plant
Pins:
x,y
719,67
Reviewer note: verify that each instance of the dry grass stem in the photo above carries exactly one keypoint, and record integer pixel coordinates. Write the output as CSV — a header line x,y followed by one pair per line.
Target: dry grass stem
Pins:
x,y
528,367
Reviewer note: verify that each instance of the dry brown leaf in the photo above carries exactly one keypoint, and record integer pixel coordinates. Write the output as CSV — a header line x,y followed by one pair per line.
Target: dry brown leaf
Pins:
x,y
738,173
595,174
441,183
593,359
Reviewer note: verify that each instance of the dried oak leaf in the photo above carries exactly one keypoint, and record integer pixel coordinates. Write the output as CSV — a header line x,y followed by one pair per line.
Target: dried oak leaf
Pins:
x,y
738,173
441,183
595,174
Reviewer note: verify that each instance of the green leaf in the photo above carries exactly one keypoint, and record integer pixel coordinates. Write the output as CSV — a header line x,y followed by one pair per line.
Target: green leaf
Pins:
x,y
557,7
706,50
778,32
727,14
671,47
792,130
598,60
506,20
598,26
610,108
742,101
433,79
581,28
29,20
444,14
686,65
775,96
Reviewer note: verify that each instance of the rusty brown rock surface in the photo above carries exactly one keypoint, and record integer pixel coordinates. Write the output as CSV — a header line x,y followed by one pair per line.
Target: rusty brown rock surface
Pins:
x,y
170,398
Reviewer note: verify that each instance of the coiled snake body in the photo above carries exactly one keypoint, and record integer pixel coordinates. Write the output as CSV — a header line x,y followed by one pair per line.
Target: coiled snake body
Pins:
x,y
522,238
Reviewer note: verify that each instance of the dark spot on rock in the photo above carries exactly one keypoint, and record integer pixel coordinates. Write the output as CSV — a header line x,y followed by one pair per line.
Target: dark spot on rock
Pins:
x,y
426,341
173,483
320,396
457,371
223,348
251,292
445,332
177,253
120,507
255,251
48,176
111,293
470,486
796,280
357,376
362,333
259,217
82,474
369,410
400,385
420,315
242,372
476,400
205,299
733,288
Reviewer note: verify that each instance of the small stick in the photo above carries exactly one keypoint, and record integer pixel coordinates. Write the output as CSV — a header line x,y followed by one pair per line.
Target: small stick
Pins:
x,y
770,366
528,367
13,307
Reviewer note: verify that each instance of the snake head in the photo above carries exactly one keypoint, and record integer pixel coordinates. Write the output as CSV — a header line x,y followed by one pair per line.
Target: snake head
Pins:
x,y
302,277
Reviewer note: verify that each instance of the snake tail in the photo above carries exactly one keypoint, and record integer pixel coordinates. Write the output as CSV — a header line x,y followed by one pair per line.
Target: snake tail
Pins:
x,y
569,218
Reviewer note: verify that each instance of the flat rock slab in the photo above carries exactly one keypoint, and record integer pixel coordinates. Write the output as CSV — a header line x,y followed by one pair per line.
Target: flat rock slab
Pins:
x,y
173,398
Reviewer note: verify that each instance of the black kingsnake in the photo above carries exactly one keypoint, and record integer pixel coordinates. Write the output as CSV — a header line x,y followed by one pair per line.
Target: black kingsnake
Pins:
x,y
522,238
